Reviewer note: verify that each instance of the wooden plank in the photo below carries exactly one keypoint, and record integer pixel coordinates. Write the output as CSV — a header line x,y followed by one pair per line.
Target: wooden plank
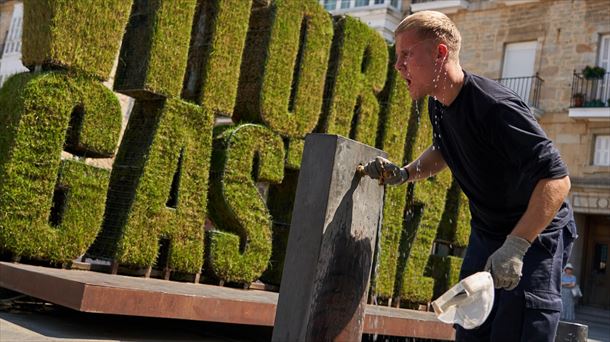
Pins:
x,y
89,291
123,295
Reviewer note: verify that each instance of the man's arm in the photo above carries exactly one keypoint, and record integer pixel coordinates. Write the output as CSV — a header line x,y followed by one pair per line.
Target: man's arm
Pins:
x,y
429,163
547,197
506,262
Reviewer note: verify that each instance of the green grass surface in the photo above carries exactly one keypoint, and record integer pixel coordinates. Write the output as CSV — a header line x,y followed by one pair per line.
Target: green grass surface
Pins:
x,y
395,113
158,187
240,248
79,35
217,47
52,209
357,73
287,35
155,48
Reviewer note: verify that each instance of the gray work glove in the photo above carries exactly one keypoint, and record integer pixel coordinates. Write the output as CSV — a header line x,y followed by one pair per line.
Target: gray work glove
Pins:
x,y
505,264
386,171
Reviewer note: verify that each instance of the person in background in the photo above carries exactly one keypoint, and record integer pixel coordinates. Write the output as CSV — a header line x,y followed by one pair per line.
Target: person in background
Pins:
x,y
568,282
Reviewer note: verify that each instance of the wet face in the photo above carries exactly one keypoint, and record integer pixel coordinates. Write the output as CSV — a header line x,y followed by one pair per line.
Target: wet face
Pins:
x,y
417,61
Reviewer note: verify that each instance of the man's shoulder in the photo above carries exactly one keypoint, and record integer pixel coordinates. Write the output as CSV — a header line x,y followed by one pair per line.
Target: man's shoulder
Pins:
x,y
488,101
490,90
490,94
479,95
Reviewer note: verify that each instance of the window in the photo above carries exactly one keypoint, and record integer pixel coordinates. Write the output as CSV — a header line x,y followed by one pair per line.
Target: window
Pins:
x,y
345,3
360,3
378,2
519,59
604,52
601,156
603,60
13,39
330,5
394,3
518,68
10,55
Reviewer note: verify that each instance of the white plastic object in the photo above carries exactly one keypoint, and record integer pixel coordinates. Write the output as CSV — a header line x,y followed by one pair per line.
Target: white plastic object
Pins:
x,y
468,303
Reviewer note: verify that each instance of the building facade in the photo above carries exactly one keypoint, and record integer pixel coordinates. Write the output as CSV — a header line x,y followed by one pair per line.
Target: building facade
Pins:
x,y
11,23
382,15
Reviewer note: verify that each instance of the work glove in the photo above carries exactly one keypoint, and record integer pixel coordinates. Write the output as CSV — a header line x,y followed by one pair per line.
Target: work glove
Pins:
x,y
505,264
386,171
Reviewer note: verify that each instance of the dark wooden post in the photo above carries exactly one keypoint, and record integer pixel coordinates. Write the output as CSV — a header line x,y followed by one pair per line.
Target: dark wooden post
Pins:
x,y
329,257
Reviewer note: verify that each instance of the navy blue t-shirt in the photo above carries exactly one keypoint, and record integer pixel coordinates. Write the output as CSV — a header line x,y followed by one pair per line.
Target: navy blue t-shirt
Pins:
x,y
497,152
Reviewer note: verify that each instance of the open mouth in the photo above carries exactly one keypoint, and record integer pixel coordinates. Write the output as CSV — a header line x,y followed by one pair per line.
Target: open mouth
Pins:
x,y
408,81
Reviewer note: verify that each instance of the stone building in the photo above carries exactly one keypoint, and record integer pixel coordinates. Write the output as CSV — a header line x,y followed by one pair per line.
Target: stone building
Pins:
x,y
382,15
546,51
11,22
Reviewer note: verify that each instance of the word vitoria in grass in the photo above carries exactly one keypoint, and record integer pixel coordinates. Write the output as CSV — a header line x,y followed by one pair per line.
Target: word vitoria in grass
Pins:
x,y
280,69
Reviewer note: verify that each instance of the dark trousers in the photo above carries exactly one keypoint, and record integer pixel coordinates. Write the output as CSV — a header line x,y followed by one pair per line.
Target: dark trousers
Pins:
x,y
530,312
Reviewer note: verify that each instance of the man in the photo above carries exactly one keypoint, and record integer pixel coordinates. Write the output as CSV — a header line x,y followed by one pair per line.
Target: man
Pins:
x,y
521,229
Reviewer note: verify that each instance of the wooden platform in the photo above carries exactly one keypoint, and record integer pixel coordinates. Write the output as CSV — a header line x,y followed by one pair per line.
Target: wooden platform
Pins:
x,y
122,295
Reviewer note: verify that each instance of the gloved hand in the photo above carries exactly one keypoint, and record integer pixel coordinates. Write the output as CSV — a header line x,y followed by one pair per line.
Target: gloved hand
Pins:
x,y
386,171
505,264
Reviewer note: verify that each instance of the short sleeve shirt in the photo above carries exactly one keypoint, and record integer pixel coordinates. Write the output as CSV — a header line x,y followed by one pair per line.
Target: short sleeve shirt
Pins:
x,y
497,152
568,278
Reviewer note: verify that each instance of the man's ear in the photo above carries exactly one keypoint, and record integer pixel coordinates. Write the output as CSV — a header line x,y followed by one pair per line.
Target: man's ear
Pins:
x,y
442,51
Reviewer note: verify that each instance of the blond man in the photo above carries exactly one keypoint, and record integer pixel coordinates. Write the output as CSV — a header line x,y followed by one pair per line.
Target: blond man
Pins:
x,y
522,228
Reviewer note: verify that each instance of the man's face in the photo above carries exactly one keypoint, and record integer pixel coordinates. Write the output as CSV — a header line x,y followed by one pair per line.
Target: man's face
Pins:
x,y
415,61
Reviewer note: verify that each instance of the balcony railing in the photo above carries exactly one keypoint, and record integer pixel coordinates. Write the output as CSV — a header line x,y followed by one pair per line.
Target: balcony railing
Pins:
x,y
590,92
528,88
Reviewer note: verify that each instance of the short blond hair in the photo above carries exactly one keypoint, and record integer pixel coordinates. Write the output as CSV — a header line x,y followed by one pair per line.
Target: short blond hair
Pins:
x,y
433,25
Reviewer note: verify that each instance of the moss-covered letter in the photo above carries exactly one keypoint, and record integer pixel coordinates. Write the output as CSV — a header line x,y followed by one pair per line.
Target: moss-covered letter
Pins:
x,y
394,122
357,73
158,187
52,209
240,250
283,76
217,46
426,206
82,35
155,47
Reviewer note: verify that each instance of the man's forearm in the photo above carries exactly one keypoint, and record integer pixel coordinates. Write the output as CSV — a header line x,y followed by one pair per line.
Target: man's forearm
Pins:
x,y
429,163
546,199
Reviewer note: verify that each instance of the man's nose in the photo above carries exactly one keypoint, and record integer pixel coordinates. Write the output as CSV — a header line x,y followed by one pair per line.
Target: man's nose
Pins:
x,y
400,64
